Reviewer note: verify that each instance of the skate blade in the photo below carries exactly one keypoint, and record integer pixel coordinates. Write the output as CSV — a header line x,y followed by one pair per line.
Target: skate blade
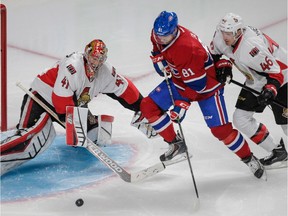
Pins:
x,y
264,176
177,159
277,165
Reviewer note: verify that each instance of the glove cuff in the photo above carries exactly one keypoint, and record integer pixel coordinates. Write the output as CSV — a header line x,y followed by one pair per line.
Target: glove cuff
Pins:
x,y
273,82
183,104
157,58
223,63
271,88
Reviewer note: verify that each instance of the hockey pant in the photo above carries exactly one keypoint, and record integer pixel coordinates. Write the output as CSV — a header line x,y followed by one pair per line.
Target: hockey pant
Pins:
x,y
250,105
155,106
27,144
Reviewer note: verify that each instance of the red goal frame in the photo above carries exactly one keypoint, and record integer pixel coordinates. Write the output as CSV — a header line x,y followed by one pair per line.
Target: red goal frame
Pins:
x,y
3,67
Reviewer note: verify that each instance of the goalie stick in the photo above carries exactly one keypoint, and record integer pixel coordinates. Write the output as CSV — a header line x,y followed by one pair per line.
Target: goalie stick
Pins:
x,y
100,154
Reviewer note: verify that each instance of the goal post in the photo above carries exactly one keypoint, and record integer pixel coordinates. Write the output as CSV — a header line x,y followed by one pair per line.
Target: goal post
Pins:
x,y
3,67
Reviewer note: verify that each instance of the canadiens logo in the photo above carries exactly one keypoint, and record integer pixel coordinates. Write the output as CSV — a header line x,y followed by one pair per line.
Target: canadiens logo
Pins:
x,y
158,89
254,51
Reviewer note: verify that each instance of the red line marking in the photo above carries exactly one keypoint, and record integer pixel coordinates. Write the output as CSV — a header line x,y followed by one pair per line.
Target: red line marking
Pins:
x,y
33,52
135,78
273,24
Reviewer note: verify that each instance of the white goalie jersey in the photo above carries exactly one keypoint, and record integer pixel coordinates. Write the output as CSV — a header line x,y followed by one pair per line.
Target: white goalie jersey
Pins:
x,y
255,55
67,81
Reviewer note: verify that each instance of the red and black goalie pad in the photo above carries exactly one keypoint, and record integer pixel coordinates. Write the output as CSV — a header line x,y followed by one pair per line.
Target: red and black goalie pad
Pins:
x,y
27,143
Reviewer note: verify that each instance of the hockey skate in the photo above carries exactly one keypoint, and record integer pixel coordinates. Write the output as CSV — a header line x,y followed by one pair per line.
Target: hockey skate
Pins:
x,y
277,159
176,152
254,165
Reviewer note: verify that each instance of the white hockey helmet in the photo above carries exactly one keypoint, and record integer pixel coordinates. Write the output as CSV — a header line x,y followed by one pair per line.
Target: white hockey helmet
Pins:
x,y
231,23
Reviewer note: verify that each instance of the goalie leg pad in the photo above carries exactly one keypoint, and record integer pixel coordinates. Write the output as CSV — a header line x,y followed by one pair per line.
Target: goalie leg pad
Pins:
x,y
28,144
76,126
102,132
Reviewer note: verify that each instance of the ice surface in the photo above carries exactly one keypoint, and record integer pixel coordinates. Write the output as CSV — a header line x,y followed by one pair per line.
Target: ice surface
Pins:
x,y
41,31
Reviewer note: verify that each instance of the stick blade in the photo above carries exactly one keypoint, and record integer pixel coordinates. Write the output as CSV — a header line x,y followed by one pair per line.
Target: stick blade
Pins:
x,y
148,172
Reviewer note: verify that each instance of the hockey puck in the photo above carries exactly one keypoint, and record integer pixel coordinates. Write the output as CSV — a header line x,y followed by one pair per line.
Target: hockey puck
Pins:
x,y
79,202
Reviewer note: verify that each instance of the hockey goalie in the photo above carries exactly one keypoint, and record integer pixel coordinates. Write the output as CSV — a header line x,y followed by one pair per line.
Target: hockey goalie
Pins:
x,y
26,144
73,82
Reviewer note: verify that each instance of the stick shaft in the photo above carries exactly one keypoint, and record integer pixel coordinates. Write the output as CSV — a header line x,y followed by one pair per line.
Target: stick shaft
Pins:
x,y
182,134
256,92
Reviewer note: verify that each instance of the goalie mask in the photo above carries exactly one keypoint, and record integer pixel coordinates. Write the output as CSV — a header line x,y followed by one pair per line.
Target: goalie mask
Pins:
x,y
96,55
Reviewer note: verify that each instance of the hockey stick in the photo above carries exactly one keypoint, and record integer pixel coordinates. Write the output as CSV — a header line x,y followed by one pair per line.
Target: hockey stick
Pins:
x,y
256,92
182,134
101,155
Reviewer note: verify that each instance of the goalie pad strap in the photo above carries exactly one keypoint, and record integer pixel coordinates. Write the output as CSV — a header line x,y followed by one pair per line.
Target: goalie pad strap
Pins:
x,y
107,118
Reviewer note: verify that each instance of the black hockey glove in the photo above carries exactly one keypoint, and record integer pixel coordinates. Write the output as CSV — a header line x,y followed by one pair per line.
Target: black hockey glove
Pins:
x,y
267,95
223,70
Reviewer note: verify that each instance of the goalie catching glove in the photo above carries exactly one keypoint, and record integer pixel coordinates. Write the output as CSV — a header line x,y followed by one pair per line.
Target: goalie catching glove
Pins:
x,y
160,64
143,125
179,111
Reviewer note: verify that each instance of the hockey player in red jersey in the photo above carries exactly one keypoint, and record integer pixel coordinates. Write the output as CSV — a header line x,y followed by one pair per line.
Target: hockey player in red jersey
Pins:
x,y
264,64
73,81
180,53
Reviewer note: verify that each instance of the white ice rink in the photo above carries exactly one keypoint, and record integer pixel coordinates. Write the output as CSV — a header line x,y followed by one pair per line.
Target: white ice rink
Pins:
x,y
42,31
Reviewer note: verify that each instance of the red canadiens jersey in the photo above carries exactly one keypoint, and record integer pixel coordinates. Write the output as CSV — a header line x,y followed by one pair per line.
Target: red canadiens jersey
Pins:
x,y
192,67
68,85
255,55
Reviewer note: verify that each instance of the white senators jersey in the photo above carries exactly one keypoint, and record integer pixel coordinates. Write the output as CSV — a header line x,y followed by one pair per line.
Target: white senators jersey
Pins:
x,y
256,55
67,84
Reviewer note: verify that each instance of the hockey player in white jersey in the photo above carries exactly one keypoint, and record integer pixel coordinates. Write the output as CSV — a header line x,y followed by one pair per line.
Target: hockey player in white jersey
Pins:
x,y
264,64
73,81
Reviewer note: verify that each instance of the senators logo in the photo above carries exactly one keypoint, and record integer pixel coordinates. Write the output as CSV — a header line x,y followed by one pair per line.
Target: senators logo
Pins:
x,y
84,97
71,69
285,113
254,51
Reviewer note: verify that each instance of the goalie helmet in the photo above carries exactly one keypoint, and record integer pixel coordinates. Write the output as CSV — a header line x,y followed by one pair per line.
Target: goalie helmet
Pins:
x,y
231,23
96,54
165,24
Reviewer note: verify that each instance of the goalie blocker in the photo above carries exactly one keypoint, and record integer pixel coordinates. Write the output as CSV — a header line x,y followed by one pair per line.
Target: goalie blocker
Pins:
x,y
77,130
26,144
